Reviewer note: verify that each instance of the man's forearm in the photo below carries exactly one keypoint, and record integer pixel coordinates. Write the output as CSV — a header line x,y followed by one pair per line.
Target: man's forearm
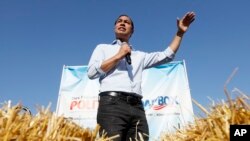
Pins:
x,y
108,64
175,44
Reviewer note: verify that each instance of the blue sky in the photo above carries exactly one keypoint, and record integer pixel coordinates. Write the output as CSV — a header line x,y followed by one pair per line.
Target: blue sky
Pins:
x,y
38,37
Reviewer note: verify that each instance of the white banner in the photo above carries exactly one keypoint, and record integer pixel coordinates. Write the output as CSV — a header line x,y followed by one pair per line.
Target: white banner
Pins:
x,y
166,97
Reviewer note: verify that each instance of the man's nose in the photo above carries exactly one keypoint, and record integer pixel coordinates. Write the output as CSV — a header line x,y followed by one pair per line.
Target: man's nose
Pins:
x,y
122,24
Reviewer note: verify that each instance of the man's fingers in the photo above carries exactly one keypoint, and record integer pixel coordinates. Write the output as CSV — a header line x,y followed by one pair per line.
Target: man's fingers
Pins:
x,y
188,18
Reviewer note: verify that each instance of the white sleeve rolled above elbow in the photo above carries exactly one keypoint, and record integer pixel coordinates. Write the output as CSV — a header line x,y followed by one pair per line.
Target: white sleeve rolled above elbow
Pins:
x,y
169,53
95,71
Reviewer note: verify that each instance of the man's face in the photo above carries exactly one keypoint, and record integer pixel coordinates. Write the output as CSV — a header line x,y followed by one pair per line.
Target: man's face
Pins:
x,y
123,28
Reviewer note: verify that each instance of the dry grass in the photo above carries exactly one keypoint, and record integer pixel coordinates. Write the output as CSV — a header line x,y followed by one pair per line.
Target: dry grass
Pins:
x,y
216,126
16,125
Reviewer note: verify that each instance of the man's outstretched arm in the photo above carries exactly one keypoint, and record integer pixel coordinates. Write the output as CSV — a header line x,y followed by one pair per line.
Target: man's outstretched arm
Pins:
x,y
183,25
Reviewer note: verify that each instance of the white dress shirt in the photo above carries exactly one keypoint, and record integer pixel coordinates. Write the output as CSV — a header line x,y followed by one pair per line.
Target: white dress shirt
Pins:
x,y
124,77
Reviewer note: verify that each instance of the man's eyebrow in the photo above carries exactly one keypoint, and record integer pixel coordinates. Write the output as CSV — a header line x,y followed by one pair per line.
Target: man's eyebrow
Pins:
x,y
126,20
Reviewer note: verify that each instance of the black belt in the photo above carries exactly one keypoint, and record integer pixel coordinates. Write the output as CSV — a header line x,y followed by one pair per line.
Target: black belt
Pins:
x,y
131,98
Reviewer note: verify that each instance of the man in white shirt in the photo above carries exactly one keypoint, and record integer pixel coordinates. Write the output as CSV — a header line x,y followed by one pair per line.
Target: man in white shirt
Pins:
x,y
119,69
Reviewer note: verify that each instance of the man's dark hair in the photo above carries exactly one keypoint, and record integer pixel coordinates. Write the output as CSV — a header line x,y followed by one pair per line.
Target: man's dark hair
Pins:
x,y
132,24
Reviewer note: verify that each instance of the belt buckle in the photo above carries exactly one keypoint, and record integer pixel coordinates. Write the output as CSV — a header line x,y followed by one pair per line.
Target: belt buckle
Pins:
x,y
113,94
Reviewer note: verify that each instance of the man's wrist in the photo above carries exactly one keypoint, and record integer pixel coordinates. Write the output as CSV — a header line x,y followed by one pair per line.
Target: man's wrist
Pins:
x,y
180,33
117,57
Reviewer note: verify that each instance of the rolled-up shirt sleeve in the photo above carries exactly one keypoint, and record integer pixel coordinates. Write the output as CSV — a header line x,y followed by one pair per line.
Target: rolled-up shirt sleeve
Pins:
x,y
157,58
94,66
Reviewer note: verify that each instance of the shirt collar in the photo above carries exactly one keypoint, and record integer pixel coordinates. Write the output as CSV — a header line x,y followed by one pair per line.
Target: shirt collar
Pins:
x,y
118,42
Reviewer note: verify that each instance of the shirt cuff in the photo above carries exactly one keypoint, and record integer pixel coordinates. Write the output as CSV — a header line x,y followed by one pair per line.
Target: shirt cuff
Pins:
x,y
169,53
98,68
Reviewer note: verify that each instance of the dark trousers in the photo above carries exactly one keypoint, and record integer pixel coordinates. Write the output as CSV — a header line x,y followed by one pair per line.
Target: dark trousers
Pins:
x,y
118,117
